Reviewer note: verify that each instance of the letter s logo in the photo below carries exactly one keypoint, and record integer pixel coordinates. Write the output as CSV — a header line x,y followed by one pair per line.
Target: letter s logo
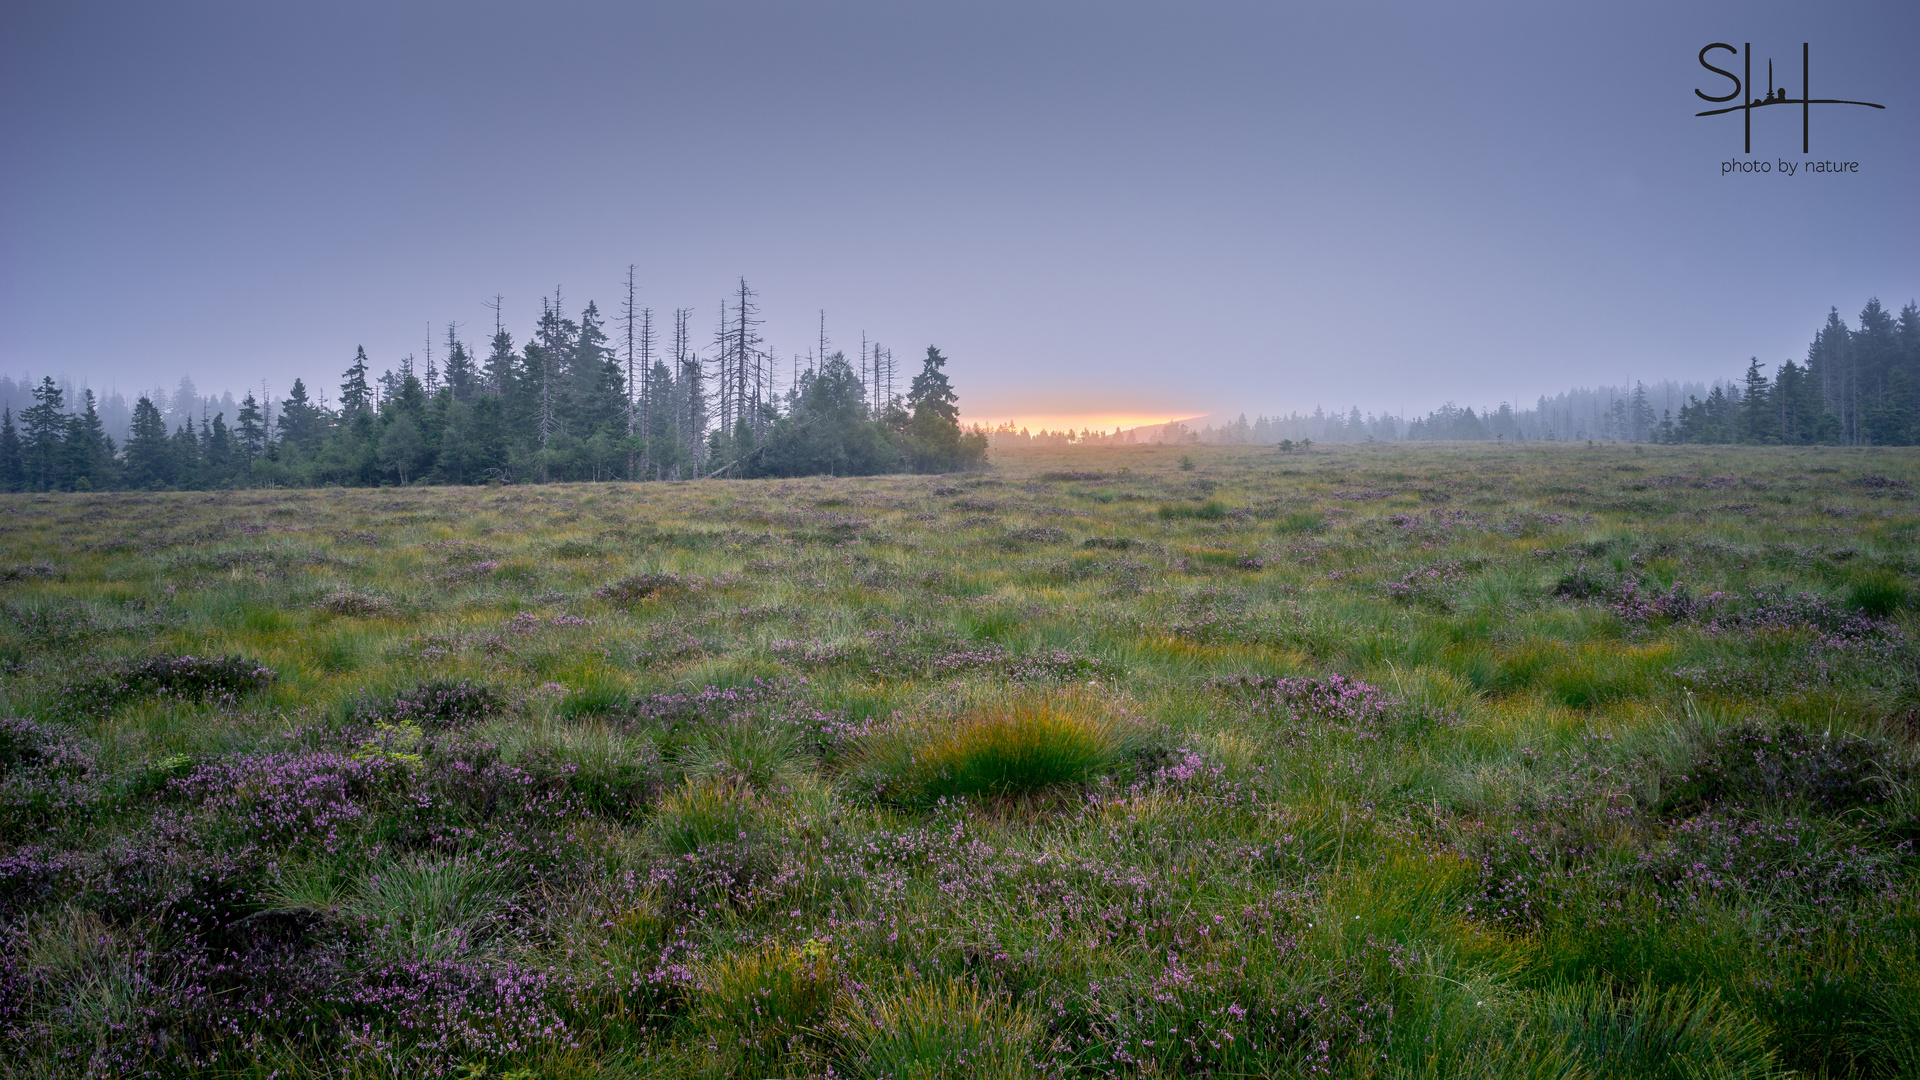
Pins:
x,y
1735,92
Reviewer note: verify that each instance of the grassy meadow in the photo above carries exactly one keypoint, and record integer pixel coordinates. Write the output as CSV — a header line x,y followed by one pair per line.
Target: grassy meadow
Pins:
x,y
1550,760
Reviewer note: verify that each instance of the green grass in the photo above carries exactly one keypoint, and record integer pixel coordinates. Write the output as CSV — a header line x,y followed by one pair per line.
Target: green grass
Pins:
x,y
1006,747
949,776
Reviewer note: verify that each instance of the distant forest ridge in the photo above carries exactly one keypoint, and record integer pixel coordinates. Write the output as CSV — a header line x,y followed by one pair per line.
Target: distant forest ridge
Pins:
x,y
571,402
1857,386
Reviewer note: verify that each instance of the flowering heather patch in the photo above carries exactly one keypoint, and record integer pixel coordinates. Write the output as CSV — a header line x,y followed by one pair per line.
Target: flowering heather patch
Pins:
x,y
456,552
1877,482
1059,665
638,587
440,703
673,710
1333,703
322,801
1801,861
911,652
357,604
1751,763
1436,525
1426,584
466,573
187,678
1675,605
1211,615
1020,539
49,778
1776,609
26,572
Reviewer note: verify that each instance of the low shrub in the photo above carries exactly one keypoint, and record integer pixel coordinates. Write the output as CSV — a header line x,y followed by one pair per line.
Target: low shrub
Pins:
x,y
357,605
48,776
188,678
440,704
1334,703
1018,539
638,587
1579,583
1754,763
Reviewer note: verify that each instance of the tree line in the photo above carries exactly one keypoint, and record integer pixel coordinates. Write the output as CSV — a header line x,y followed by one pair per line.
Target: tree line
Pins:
x,y
570,402
1857,386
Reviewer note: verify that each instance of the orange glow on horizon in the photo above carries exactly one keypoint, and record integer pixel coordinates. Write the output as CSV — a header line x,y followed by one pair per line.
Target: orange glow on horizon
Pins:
x,y
1104,423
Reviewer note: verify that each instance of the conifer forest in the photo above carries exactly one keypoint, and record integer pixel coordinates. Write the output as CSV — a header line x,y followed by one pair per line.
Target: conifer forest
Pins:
x,y
570,403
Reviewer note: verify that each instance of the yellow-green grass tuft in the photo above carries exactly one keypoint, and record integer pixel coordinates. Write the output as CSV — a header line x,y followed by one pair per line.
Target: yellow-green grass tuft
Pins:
x,y
1009,746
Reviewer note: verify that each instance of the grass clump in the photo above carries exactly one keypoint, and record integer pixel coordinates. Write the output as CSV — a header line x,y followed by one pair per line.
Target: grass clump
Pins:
x,y
428,908
1011,746
931,1031
702,813
1210,510
1877,593
766,1007
1655,1031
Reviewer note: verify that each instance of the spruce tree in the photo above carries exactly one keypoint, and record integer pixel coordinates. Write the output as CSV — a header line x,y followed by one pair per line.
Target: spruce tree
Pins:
x,y
45,426
1642,419
252,442
299,420
463,375
89,452
1758,422
501,371
148,455
355,395
12,467
187,460
224,460
933,427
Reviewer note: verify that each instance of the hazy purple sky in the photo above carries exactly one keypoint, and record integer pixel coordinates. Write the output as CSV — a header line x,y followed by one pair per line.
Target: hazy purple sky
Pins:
x,y
1099,208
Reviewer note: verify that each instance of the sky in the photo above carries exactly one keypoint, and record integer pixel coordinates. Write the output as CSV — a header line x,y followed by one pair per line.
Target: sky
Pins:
x,y
1100,212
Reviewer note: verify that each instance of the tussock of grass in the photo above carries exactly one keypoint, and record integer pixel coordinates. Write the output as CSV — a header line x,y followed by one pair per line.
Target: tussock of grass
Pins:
x,y
1006,747
704,812
766,1004
947,1029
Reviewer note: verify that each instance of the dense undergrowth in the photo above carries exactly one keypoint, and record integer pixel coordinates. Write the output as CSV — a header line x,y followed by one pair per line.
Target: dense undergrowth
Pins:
x,y
1407,761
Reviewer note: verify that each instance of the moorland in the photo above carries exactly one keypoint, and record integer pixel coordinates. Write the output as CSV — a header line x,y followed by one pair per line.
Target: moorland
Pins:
x,y
1408,760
